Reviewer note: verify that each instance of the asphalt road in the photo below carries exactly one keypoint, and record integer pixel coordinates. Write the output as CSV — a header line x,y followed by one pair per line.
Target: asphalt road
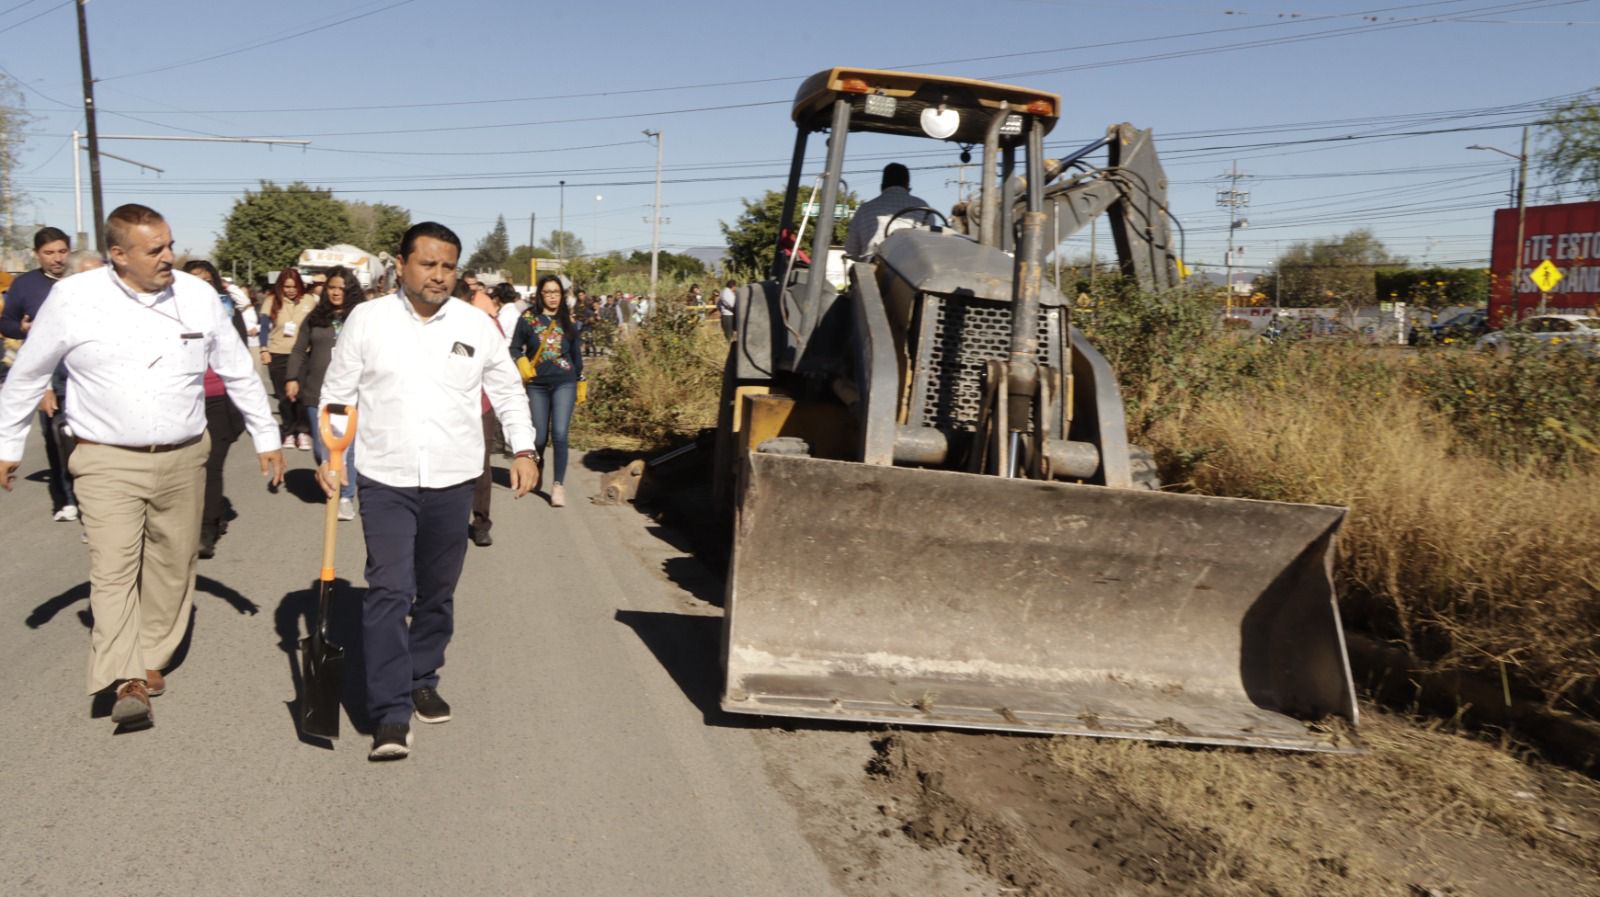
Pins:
x,y
583,757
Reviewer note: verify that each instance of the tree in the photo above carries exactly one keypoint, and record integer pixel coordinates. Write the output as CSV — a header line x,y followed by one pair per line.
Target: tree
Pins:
x,y
493,251
268,229
752,239
1434,287
562,244
1340,271
517,264
376,227
14,119
1572,145
669,264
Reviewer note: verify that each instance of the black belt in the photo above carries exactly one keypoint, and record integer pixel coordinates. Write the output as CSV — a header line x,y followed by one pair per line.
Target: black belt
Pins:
x,y
144,449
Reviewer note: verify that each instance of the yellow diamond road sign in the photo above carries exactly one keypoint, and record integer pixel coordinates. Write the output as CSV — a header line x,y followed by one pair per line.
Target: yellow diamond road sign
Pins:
x,y
1546,276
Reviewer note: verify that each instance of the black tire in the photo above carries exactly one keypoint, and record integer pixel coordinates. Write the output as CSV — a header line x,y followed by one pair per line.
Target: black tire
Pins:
x,y
1142,464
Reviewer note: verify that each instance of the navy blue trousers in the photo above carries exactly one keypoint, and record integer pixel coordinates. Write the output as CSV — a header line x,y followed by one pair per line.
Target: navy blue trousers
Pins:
x,y
416,543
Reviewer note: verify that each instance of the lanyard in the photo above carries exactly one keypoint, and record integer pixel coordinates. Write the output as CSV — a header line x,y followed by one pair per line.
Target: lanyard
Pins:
x,y
168,293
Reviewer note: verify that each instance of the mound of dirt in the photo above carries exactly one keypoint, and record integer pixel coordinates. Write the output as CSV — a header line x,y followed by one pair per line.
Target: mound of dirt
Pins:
x,y
1422,813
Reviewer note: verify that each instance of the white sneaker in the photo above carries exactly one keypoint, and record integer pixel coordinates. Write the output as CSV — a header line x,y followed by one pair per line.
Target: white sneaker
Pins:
x,y
67,514
558,496
347,509
303,442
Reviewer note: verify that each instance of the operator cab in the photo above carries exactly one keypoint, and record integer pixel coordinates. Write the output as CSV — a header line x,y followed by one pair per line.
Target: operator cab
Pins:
x,y
999,118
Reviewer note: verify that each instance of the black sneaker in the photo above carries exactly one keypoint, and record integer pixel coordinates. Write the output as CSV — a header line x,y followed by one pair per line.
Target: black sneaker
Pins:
x,y
430,707
480,536
391,741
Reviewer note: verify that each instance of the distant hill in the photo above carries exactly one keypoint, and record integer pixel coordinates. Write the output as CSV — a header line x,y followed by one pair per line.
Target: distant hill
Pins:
x,y
710,256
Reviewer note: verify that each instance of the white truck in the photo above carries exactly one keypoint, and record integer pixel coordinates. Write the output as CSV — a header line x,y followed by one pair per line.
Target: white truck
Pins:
x,y
369,268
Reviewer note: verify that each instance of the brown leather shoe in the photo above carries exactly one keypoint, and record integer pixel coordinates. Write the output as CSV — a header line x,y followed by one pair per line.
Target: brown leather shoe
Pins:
x,y
133,703
155,683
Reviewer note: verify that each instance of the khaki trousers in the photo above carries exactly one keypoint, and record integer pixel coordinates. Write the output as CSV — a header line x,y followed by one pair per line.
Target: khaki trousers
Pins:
x,y
141,511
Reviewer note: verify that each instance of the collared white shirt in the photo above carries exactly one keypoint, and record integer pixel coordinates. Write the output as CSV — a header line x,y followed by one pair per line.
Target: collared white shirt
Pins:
x,y
507,316
416,384
867,225
135,362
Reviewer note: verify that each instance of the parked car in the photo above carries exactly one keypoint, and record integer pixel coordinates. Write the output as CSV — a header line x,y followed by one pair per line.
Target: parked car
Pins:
x,y
1283,329
1578,331
1465,328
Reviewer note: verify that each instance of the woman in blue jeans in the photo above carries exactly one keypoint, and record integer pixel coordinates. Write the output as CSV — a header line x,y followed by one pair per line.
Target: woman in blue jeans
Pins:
x,y
308,363
546,335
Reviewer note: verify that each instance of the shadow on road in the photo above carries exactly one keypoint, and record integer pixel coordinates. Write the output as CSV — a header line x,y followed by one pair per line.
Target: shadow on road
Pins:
x,y
302,484
48,610
687,646
607,460
688,573
295,616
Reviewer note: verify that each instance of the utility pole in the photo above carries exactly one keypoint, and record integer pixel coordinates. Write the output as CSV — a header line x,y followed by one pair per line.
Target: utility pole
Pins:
x,y
561,226
1522,216
655,221
82,236
533,261
1232,199
94,132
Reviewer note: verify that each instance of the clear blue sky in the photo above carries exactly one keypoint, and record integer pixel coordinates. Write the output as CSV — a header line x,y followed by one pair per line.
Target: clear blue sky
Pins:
x,y
465,110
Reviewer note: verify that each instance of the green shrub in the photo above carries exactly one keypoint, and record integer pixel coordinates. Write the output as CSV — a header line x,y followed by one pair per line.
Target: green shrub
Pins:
x,y
661,381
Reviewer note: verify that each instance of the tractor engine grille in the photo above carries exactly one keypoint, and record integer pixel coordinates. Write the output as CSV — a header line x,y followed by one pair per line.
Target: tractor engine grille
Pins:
x,y
965,334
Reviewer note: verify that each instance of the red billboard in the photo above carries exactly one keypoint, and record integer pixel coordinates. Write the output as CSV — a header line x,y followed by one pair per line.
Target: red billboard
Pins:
x,y
1567,236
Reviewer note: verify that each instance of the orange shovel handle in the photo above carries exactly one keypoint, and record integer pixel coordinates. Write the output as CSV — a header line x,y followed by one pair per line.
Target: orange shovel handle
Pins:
x,y
336,449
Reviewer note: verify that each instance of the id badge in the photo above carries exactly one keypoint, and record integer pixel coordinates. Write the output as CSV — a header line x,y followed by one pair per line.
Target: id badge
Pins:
x,y
290,328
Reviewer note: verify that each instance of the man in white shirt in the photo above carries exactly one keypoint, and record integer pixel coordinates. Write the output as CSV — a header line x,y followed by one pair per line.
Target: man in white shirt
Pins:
x,y
137,338
869,224
727,303
415,365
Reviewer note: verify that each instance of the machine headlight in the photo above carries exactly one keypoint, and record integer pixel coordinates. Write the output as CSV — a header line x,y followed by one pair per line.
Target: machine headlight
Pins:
x,y
940,123
1012,126
880,105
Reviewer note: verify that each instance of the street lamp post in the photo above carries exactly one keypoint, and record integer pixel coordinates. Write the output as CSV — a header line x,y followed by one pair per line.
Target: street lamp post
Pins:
x,y
655,219
595,249
1522,216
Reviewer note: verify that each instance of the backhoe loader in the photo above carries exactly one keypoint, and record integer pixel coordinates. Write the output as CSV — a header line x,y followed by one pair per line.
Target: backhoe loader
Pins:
x,y
937,518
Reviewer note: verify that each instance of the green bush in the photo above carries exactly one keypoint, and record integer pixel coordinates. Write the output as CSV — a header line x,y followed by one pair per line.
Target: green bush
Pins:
x,y
1529,405
661,381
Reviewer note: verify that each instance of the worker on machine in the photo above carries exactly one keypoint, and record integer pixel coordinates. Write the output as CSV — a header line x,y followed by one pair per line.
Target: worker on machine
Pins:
x,y
867,228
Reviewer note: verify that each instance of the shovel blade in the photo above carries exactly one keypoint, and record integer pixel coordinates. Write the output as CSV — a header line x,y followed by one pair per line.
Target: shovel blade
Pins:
x,y
322,672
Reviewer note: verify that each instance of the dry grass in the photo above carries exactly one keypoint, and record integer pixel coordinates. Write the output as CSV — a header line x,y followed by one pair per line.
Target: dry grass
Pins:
x,y
660,383
1476,563
1422,808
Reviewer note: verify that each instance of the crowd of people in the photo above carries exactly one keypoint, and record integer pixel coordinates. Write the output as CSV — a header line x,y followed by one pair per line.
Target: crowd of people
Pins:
x,y
143,373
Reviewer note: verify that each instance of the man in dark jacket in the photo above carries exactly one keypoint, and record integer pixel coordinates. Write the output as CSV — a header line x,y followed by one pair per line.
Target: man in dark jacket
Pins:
x,y
23,301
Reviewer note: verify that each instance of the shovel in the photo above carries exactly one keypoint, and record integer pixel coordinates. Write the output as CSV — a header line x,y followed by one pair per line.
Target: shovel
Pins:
x,y
322,661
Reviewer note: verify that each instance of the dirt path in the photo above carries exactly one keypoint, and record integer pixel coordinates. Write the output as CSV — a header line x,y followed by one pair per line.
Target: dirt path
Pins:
x,y
1423,813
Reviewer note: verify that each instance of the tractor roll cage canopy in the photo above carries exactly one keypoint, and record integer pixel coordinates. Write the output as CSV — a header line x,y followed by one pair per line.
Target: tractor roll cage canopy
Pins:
x,y
892,103
999,117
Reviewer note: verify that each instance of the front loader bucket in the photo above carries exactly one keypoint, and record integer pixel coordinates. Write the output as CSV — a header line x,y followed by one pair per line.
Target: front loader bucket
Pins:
x,y
923,597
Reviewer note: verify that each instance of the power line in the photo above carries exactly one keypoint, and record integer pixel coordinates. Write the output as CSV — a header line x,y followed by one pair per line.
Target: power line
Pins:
x,y
37,15
1275,41
7,12
258,44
